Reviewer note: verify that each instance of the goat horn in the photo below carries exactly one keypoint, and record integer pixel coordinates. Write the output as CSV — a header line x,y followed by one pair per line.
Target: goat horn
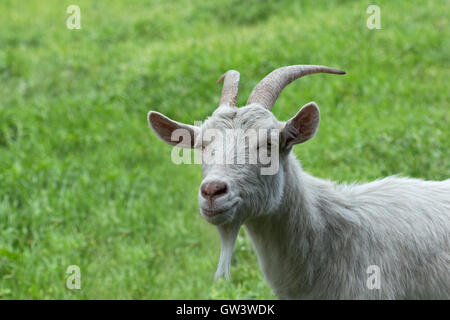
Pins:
x,y
268,89
230,88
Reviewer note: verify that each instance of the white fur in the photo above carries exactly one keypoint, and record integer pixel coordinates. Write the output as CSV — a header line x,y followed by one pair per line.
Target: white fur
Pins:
x,y
315,239
323,237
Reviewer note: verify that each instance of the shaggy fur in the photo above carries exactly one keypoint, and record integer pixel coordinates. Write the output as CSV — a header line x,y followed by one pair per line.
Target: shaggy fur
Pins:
x,y
315,239
323,237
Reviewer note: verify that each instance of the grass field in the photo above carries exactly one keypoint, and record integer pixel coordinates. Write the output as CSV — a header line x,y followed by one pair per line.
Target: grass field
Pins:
x,y
84,182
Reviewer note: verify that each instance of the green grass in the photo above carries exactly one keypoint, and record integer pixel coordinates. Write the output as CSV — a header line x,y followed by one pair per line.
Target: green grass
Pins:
x,y
83,181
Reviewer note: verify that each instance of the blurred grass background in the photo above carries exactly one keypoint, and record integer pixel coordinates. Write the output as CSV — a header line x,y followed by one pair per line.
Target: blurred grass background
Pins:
x,y
83,181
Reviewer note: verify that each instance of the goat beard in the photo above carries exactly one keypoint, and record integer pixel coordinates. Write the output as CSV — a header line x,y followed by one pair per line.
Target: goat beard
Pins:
x,y
228,234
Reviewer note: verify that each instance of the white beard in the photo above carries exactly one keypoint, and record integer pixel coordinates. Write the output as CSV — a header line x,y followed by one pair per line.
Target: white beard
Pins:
x,y
228,234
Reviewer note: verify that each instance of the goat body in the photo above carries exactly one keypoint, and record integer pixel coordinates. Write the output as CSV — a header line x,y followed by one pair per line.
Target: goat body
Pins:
x,y
314,239
323,237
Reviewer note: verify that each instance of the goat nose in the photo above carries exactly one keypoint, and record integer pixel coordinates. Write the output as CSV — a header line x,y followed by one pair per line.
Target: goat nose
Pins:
x,y
213,189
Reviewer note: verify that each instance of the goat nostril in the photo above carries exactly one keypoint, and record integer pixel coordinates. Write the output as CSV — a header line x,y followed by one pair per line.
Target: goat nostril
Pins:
x,y
214,189
220,190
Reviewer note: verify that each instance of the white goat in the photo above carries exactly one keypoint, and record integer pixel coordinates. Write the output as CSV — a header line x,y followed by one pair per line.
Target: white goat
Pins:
x,y
315,239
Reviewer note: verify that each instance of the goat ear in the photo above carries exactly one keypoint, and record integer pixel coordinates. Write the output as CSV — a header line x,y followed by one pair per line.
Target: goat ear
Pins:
x,y
172,132
302,127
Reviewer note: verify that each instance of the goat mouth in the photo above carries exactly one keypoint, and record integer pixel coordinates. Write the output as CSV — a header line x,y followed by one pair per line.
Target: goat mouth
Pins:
x,y
212,213
215,212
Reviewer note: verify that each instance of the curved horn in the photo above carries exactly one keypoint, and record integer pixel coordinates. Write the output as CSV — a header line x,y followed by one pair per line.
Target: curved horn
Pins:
x,y
268,89
230,88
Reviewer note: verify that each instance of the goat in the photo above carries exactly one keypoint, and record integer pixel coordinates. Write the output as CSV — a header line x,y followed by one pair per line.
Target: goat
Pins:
x,y
315,239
